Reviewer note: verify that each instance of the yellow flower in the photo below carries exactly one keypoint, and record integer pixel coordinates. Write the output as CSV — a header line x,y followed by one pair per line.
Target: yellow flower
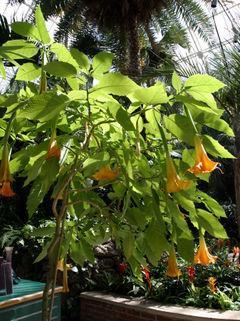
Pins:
x,y
212,284
172,269
106,173
203,164
5,176
53,149
64,268
203,256
174,183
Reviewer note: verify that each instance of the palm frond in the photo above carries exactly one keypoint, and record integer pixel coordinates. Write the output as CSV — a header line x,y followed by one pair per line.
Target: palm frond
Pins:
x,y
193,15
4,30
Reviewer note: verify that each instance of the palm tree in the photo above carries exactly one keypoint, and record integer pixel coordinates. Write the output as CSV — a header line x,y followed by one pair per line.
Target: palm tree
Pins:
x,y
227,68
126,25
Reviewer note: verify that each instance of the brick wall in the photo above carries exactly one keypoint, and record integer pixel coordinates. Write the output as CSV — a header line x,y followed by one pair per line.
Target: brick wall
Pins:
x,y
106,307
92,310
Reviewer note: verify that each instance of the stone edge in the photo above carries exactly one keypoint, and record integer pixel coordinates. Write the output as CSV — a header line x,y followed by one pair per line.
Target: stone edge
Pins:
x,y
171,311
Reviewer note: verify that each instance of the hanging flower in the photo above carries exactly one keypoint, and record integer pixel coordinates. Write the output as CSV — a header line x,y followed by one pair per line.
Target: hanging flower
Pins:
x,y
64,268
203,256
203,164
172,269
53,149
5,176
106,173
122,267
212,284
147,276
191,273
236,251
174,183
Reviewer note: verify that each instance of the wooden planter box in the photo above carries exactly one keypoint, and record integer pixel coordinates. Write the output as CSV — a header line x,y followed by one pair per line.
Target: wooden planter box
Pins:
x,y
97,306
25,304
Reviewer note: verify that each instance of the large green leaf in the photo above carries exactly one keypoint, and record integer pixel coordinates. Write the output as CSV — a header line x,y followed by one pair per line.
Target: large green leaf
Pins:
x,y
2,69
136,217
181,127
214,148
184,202
43,253
63,54
114,83
81,59
204,97
155,238
185,246
34,170
176,82
28,71
41,26
211,224
211,204
18,49
178,220
44,107
42,184
151,96
128,244
25,29
102,62
76,253
60,69
207,116
203,84
121,115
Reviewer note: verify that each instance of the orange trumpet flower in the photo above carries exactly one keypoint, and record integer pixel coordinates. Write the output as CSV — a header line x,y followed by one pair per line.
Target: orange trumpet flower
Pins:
x,y
64,268
172,269
106,173
203,256
174,183
5,176
203,164
53,149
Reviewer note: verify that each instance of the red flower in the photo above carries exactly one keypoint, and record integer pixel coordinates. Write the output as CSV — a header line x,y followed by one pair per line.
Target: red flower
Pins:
x,y
122,267
147,276
191,273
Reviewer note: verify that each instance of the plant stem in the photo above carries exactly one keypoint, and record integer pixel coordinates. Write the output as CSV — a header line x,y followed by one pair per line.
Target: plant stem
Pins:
x,y
8,129
189,115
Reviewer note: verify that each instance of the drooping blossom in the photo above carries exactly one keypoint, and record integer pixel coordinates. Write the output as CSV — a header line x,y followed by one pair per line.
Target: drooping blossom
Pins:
x,y
147,276
191,273
172,269
203,256
106,173
236,250
174,183
53,148
212,281
64,268
203,164
122,267
5,175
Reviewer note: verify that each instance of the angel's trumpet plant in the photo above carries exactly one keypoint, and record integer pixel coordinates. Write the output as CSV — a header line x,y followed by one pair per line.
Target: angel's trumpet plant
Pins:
x,y
203,164
5,175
